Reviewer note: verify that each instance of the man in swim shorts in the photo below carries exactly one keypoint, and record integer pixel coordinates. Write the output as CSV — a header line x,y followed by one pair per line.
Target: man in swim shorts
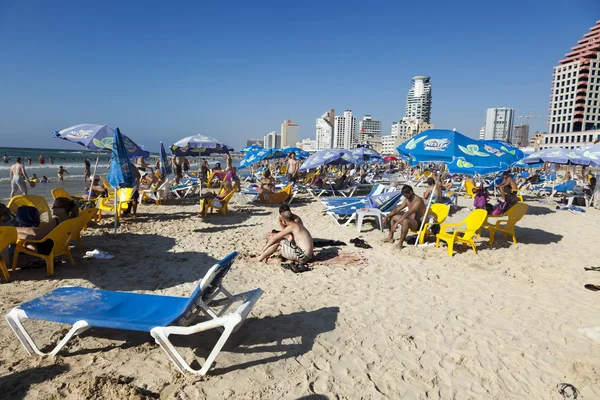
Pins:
x,y
294,242
18,176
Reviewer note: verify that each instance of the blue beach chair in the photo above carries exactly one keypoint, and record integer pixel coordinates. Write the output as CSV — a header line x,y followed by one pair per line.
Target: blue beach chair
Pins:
x,y
161,316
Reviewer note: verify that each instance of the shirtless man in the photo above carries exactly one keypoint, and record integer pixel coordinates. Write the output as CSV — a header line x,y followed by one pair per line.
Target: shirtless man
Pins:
x,y
411,219
18,176
229,162
507,181
293,166
294,242
282,209
178,165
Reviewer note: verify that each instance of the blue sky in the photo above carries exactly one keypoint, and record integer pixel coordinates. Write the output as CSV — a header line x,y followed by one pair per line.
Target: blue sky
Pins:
x,y
235,70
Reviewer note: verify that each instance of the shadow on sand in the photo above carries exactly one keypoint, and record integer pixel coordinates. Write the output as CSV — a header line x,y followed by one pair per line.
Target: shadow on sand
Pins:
x,y
539,210
15,386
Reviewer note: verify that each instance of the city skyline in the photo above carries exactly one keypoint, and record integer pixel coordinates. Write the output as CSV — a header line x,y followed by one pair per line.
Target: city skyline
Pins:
x,y
204,70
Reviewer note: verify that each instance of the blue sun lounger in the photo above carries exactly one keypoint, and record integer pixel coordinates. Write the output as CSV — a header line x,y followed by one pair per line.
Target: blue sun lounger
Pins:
x,y
161,316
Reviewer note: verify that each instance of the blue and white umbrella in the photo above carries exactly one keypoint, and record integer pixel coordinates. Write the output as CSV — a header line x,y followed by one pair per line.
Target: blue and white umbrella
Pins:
x,y
383,199
199,145
98,138
461,154
260,155
505,151
251,148
364,154
163,162
121,172
300,154
556,155
591,153
329,157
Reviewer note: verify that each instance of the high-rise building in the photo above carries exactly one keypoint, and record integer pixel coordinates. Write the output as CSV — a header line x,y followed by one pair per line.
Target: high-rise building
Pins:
x,y
388,145
520,137
499,123
482,133
272,140
418,101
307,145
324,133
255,142
344,131
289,133
368,128
575,96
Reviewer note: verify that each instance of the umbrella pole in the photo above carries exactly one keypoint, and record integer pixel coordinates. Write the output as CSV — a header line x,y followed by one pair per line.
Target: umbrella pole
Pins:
x,y
116,210
93,175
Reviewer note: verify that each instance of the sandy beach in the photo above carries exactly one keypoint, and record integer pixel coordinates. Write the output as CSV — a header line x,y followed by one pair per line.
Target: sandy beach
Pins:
x,y
373,323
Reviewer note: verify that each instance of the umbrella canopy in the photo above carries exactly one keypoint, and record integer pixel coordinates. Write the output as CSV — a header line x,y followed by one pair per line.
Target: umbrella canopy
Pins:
x,y
460,153
98,138
260,155
300,154
121,173
383,199
198,145
556,155
165,168
505,151
366,154
329,157
591,153
250,148
390,158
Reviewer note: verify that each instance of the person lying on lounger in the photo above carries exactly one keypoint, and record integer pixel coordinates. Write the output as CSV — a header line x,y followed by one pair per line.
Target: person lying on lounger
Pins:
x,y
294,242
213,198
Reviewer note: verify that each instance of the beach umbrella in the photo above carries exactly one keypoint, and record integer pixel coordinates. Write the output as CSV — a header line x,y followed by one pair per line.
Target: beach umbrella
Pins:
x,y
366,154
121,173
250,148
199,145
389,158
461,154
329,157
260,155
98,138
164,167
556,155
591,153
383,199
300,154
505,151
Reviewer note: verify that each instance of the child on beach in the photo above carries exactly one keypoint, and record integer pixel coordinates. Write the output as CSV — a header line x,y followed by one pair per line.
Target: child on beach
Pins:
x,y
61,172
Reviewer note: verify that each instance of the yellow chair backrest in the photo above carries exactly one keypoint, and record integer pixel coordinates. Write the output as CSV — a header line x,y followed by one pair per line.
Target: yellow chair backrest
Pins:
x,y
61,235
426,174
228,197
88,214
8,235
515,214
125,194
60,192
34,201
105,183
470,188
440,211
276,198
210,177
474,222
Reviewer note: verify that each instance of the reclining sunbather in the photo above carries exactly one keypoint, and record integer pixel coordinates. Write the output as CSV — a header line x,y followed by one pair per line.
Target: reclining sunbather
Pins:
x,y
294,242
214,198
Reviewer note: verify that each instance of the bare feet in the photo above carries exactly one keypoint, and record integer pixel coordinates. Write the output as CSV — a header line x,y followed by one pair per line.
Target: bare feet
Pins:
x,y
400,245
388,240
273,260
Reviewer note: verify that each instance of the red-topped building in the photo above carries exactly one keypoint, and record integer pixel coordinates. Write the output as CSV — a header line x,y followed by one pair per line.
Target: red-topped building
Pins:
x,y
574,117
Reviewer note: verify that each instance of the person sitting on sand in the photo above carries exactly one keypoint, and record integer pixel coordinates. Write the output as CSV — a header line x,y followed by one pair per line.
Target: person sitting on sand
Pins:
x,y
209,197
410,219
507,182
62,210
282,209
435,190
294,242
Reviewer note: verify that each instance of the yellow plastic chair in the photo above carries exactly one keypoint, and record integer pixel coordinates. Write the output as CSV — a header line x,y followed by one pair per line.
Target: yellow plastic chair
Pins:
x,y
108,203
34,201
222,207
276,198
472,224
440,212
8,236
506,226
86,216
470,190
60,192
60,236
105,183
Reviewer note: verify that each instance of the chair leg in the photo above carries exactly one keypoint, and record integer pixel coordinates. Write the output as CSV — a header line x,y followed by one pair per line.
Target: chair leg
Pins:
x,y
474,247
49,264
437,242
359,221
492,234
70,256
4,270
450,248
15,259
514,238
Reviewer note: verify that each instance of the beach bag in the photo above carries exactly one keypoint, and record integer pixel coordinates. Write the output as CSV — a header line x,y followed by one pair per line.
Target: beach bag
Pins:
x,y
481,198
500,208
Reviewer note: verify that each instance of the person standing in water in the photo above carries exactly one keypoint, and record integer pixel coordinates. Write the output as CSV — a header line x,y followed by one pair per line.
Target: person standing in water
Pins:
x,y
87,172
42,159
18,176
5,159
61,172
